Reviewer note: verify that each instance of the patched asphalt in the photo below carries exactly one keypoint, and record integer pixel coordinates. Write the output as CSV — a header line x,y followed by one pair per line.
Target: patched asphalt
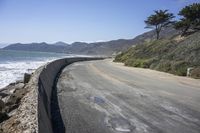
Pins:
x,y
106,97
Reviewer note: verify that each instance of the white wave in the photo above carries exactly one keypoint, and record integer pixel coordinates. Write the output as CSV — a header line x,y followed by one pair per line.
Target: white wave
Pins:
x,y
14,71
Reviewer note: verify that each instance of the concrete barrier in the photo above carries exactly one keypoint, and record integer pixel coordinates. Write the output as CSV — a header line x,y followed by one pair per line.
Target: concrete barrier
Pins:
x,y
46,83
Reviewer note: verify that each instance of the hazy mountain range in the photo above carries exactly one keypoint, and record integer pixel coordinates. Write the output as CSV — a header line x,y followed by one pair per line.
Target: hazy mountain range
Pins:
x,y
97,48
2,45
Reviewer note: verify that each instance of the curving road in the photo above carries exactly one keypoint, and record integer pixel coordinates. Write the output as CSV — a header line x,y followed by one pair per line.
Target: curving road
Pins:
x,y
106,97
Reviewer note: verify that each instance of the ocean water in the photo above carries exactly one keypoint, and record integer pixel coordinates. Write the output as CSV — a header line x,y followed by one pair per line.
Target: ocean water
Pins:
x,y
13,64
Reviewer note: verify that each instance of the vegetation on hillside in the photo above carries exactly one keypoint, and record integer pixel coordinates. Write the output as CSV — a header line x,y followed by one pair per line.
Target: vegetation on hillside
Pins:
x,y
172,55
166,55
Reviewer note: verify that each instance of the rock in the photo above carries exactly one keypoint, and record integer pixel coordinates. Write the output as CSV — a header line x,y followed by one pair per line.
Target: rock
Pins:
x,y
195,73
2,105
3,114
27,77
11,96
19,81
10,126
3,94
8,90
23,97
11,107
12,84
14,99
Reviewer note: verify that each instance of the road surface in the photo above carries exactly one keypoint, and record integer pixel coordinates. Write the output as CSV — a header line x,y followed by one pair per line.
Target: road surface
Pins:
x,y
106,97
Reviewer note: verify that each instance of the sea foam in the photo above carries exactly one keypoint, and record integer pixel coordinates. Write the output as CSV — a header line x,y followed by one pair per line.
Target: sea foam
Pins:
x,y
14,71
13,64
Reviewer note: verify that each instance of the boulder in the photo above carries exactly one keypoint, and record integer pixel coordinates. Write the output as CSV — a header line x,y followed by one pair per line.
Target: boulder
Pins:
x,y
3,114
2,105
27,77
195,73
14,99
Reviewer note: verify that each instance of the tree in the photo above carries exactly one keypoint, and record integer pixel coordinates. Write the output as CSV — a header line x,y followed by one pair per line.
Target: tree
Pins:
x,y
159,20
190,18
182,25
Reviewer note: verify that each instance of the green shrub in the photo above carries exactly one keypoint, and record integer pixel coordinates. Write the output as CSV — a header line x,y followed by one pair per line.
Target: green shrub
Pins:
x,y
124,56
181,71
143,63
164,65
180,68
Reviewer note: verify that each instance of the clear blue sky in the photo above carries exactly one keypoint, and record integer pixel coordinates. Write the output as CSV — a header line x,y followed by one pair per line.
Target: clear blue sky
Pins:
x,y
28,21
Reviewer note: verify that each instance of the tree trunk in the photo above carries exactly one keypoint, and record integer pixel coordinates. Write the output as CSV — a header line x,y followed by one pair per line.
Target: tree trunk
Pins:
x,y
157,34
158,29
184,31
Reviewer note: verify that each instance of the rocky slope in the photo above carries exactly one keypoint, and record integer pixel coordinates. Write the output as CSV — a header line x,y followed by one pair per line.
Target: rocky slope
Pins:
x,y
173,55
18,109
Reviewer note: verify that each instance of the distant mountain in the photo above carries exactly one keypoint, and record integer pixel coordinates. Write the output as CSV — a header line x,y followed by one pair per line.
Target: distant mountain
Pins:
x,y
2,45
97,48
42,47
60,44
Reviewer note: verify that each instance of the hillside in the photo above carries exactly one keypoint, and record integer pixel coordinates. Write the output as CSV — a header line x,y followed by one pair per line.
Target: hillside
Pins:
x,y
97,48
173,55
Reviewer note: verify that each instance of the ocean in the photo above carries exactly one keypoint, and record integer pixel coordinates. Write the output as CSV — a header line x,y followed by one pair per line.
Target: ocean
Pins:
x,y
13,64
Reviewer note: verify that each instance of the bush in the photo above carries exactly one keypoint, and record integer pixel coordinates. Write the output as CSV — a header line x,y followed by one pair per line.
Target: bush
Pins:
x,y
164,65
180,68
181,71
143,63
123,56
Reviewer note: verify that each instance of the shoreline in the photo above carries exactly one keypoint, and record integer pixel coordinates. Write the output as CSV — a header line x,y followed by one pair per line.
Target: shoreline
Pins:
x,y
13,64
20,105
20,80
21,109
13,71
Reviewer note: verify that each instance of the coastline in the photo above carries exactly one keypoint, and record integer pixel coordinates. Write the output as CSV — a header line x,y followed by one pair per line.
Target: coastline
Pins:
x,y
13,64
25,110
19,105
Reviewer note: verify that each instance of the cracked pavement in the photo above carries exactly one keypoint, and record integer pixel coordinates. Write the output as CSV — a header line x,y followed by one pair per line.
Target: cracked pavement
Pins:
x,y
106,97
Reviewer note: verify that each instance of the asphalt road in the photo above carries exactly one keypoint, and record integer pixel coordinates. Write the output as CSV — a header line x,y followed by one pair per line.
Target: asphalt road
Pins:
x,y
107,97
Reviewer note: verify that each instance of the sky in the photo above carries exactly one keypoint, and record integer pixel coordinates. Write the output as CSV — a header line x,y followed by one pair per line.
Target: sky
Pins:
x,y
27,21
